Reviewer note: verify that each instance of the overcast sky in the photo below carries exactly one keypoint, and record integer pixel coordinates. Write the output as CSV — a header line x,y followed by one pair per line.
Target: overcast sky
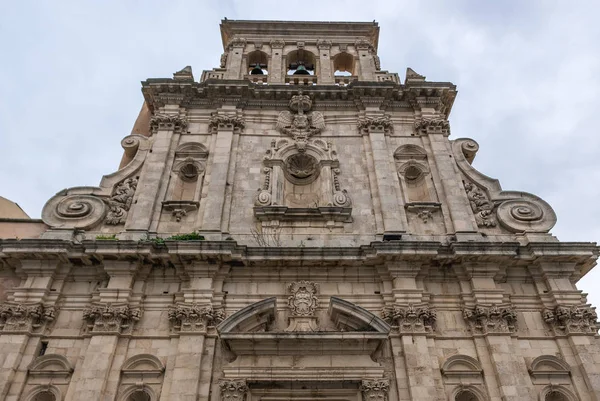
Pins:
x,y
528,76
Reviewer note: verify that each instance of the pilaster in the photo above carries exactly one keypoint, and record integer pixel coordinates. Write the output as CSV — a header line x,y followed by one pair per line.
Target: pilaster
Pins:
x,y
235,58
325,67
276,70
365,59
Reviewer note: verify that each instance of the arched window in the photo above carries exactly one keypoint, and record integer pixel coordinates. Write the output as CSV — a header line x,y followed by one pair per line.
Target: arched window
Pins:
x,y
555,396
44,396
258,63
343,64
301,62
466,395
139,395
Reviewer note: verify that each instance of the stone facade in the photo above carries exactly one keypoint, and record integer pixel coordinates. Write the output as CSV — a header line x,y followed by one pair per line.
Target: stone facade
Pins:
x,y
281,231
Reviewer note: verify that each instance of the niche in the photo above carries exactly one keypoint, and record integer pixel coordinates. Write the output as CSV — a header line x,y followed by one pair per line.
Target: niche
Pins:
x,y
413,171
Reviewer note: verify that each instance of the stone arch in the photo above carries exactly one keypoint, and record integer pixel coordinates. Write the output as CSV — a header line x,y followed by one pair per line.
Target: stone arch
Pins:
x,y
143,363
260,59
556,393
51,363
141,378
467,393
300,56
343,63
252,318
191,149
44,393
549,369
462,368
351,317
138,393
410,151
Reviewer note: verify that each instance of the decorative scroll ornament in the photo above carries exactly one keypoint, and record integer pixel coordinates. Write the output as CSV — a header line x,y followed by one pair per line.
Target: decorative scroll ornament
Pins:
x,y
571,320
168,122
481,206
340,196
368,124
23,318
108,318
219,121
491,319
120,202
263,195
233,390
375,390
432,126
300,126
194,318
410,319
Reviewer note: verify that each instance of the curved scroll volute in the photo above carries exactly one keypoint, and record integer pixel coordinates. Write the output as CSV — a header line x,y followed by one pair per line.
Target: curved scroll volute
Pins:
x,y
516,211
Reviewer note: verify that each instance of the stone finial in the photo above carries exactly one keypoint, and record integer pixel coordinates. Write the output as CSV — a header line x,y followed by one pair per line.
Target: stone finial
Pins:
x,y
410,319
106,318
168,122
375,390
572,319
491,319
184,74
233,390
194,318
303,305
23,318
428,126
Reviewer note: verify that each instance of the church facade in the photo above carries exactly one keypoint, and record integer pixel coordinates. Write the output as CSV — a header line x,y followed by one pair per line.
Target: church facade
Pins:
x,y
297,224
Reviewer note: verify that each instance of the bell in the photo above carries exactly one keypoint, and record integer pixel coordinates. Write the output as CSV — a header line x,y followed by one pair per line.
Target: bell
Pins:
x,y
257,71
301,70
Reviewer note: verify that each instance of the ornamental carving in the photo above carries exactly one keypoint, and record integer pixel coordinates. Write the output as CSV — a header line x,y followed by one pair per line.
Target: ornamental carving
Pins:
x,y
168,122
340,196
106,318
482,207
237,42
23,318
411,319
491,319
573,319
219,121
377,62
233,390
223,60
120,202
432,126
298,125
323,44
194,318
277,43
303,299
368,124
363,44
375,390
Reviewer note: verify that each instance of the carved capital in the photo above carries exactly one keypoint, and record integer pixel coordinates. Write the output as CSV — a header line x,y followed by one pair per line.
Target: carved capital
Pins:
x,y
277,43
367,124
323,44
572,320
375,390
120,201
23,318
411,319
432,126
111,318
226,122
491,319
237,42
194,318
233,390
168,122
482,207
363,44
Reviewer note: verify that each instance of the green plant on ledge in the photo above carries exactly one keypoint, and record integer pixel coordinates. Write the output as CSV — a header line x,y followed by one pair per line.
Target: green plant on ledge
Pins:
x,y
112,237
194,236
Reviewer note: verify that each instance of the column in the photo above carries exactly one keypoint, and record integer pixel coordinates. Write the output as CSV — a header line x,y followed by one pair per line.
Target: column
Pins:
x,y
325,75
276,69
224,125
392,212
235,69
25,318
106,321
147,196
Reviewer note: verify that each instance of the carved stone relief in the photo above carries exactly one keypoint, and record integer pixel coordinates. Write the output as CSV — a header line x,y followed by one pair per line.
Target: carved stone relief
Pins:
x,y
168,122
194,318
23,318
367,124
120,202
491,319
219,121
300,126
303,303
411,319
572,319
375,390
482,207
233,390
429,126
111,318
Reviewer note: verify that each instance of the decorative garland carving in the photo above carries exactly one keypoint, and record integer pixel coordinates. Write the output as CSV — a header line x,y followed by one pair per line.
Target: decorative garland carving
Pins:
x,y
233,390
411,319
120,202
23,318
300,126
220,121
375,390
368,124
303,301
481,206
112,319
573,319
432,126
168,122
340,196
491,319
194,318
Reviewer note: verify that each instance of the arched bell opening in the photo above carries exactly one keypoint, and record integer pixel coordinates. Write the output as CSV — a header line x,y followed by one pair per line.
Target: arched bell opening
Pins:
x,y
258,63
301,62
343,64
